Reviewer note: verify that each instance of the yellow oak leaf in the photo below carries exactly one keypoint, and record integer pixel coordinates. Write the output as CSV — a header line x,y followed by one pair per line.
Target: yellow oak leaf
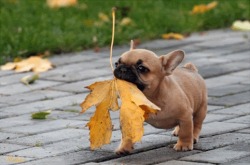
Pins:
x,y
34,63
135,107
176,36
198,9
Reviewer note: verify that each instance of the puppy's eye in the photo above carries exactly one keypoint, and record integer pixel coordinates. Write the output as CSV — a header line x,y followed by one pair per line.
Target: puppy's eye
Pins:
x,y
116,64
142,69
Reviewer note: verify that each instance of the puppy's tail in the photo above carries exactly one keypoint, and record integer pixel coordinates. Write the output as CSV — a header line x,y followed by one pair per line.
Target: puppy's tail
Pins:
x,y
191,67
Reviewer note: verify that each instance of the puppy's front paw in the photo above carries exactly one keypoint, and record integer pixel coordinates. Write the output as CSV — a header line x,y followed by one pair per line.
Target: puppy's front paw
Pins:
x,y
124,150
179,146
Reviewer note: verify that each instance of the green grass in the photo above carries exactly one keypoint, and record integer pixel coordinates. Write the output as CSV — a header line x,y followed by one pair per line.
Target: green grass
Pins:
x,y
29,27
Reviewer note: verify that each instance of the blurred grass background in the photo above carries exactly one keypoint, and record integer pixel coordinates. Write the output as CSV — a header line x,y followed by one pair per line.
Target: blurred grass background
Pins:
x,y
29,27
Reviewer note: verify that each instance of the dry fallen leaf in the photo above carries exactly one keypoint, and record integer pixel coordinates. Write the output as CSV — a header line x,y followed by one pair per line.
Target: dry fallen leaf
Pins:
x,y
198,9
126,21
29,79
176,36
134,109
34,63
241,25
15,159
103,17
40,115
8,66
61,3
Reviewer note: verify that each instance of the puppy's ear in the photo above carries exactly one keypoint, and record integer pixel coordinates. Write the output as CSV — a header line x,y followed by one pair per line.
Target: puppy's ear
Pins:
x,y
171,61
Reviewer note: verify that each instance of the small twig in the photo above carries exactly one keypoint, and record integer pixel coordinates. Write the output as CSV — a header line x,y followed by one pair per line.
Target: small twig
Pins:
x,y
113,36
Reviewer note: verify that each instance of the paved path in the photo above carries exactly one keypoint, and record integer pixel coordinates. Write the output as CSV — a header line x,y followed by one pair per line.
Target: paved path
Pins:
x,y
223,59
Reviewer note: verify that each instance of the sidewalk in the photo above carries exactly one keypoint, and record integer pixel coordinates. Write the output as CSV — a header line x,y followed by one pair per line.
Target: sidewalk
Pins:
x,y
223,59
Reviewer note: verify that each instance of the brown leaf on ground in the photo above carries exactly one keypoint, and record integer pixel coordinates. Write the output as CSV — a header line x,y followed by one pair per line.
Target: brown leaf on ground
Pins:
x,y
199,9
29,79
61,3
176,36
34,63
241,25
135,107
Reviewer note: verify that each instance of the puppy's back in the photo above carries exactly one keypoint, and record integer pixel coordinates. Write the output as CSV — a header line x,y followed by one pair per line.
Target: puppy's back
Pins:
x,y
192,84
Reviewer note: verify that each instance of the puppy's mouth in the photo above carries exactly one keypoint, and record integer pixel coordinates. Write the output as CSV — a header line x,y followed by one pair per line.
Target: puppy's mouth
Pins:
x,y
129,74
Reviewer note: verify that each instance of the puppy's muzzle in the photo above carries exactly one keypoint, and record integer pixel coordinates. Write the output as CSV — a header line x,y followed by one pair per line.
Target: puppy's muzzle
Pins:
x,y
126,73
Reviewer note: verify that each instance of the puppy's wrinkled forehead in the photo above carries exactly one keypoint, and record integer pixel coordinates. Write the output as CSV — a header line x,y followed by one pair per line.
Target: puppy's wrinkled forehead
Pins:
x,y
136,56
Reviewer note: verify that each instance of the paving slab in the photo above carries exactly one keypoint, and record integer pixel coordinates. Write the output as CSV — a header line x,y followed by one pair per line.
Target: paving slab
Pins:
x,y
49,137
245,73
217,70
222,155
73,158
245,130
231,100
37,95
84,56
243,109
221,140
178,162
151,157
67,114
12,78
44,105
163,44
21,88
241,161
224,80
216,128
242,119
221,51
222,42
5,147
245,82
57,148
71,76
148,142
218,117
17,121
44,126
7,72
79,86
213,107
3,104
228,90
5,136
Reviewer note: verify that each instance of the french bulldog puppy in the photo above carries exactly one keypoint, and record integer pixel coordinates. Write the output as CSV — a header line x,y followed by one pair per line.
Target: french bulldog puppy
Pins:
x,y
179,92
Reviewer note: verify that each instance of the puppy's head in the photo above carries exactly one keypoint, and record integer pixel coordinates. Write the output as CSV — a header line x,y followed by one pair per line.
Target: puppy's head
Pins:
x,y
145,69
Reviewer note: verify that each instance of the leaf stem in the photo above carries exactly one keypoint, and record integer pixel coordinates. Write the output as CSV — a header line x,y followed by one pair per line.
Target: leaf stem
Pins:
x,y
113,36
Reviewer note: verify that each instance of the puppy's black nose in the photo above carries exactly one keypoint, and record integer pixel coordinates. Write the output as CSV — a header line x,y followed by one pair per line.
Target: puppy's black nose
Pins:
x,y
123,69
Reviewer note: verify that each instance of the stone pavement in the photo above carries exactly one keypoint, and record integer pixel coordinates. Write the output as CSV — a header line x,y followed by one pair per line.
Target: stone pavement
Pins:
x,y
223,59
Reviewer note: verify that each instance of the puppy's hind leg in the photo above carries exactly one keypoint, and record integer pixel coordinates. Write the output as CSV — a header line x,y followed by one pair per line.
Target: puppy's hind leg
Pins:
x,y
176,131
126,147
198,120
